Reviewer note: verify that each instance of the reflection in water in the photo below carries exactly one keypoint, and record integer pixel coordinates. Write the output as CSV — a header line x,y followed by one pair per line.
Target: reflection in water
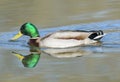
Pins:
x,y
66,53
32,59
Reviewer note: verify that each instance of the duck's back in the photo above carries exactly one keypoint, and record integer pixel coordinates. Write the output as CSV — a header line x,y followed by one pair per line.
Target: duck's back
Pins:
x,y
63,39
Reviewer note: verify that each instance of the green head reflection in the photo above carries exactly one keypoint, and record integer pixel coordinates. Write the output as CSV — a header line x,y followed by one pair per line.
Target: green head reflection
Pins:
x,y
30,60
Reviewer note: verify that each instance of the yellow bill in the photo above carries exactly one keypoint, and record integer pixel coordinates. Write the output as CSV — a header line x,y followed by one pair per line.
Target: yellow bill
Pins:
x,y
17,36
19,56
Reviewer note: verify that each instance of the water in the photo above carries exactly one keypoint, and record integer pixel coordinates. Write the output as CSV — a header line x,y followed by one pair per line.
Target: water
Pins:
x,y
98,63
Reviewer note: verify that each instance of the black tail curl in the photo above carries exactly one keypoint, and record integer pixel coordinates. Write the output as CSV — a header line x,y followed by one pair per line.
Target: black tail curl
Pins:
x,y
95,35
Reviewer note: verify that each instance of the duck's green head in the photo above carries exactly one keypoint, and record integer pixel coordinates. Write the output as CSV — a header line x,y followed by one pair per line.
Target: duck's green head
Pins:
x,y
27,29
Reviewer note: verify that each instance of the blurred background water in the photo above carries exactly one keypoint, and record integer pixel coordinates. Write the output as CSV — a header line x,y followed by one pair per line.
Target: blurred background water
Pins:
x,y
99,63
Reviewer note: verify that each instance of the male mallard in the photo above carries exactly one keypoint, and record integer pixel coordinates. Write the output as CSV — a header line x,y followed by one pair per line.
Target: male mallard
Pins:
x,y
61,39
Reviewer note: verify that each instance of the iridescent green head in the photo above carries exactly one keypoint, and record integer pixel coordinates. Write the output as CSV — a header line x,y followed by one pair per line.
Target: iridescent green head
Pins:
x,y
27,29
30,30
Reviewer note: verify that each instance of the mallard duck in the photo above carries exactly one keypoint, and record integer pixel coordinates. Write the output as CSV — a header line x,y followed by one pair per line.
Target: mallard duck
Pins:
x,y
60,39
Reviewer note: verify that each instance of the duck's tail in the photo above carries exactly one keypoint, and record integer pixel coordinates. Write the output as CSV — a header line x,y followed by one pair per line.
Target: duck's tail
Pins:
x,y
96,35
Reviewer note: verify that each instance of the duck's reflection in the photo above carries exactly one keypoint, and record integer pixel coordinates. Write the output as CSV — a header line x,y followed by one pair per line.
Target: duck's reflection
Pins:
x,y
66,53
32,59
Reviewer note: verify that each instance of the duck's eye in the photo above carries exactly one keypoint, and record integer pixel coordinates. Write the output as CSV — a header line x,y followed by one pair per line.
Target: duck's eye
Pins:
x,y
23,29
